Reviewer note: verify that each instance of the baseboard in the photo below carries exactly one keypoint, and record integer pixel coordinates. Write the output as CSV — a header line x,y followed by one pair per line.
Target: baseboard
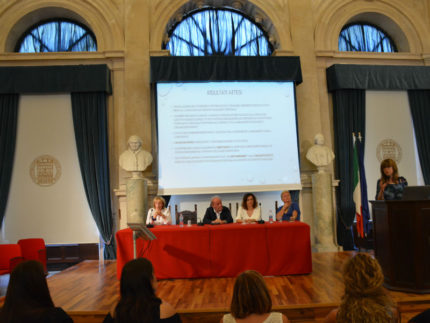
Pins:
x,y
61,256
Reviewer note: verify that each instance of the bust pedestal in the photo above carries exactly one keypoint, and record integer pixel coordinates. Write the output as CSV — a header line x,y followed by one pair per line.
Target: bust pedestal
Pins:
x,y
323,212
123,198
137,198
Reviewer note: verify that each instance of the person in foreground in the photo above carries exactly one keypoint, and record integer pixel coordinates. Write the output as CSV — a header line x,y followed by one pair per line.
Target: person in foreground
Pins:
x,y
390,186
158,214
251,302
423,317
138,302
217,213
365,299
249,211
290,211
28,298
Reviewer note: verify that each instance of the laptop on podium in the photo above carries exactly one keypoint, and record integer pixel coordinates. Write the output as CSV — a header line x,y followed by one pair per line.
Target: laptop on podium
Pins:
x,y
416,193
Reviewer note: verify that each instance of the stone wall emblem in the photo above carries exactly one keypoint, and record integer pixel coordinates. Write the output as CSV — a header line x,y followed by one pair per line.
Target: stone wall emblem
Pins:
x,y
389,148
45,170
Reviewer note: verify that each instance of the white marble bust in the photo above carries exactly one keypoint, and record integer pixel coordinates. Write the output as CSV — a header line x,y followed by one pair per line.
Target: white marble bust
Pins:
x,y
319,154
135,159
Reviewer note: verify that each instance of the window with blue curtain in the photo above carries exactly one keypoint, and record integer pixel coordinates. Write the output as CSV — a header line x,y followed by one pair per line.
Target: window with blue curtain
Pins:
x,y
57,35
364,37
221,32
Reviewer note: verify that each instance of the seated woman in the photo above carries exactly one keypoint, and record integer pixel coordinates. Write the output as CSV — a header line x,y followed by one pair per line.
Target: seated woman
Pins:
x,y
28,298
249,211
390,186
138,302
364,300
290,211
158,214
251,301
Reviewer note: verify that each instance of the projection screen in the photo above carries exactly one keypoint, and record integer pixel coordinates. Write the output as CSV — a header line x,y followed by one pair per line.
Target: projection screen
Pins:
x,y
224,137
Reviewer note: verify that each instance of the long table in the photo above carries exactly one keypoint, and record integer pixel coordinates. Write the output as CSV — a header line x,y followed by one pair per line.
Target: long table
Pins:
x,y
273,249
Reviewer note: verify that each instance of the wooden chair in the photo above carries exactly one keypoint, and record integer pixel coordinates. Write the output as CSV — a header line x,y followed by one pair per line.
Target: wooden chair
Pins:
x,y
188,215
34,249
10,256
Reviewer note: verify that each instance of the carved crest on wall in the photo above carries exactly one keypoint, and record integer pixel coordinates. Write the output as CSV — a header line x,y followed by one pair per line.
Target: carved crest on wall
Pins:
x,y
45,170
389,148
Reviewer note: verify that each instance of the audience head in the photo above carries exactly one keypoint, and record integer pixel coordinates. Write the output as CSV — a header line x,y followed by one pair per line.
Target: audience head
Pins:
x,y
389,169
249,201
137,277
160,201
362,275
27,292
138,302
286,197
365,299
423,317
216,203
250,295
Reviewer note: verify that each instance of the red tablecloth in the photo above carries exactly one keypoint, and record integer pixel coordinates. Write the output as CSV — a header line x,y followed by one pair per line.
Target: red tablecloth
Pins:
x,y
223,250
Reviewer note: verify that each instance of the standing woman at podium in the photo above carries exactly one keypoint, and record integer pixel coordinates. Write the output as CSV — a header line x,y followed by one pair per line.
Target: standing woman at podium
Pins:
x,y
390,186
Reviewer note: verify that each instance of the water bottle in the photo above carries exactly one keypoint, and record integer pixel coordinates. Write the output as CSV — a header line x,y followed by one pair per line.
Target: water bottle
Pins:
x,y
181,220
270,216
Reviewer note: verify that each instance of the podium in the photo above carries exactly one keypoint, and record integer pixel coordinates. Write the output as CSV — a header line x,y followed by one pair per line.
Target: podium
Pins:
x,y
402,243
140,231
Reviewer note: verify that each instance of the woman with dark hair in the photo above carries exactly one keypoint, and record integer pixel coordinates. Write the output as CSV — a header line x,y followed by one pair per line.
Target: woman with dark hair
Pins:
x,y
138,302
249,211
28,298
390,186
251,302
364,299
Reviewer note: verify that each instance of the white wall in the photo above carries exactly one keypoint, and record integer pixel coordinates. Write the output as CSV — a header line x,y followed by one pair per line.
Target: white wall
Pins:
x,y
388,117
57,213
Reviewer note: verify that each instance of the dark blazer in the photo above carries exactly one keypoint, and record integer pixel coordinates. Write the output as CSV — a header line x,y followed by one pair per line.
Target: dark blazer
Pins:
x,y
211,216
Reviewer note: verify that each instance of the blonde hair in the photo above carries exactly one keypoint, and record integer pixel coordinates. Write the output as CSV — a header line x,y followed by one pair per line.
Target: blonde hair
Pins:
x,y
286,191
159,198
364,300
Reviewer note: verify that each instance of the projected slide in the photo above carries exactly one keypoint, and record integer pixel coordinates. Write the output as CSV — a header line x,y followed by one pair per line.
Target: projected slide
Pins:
x,y
221,137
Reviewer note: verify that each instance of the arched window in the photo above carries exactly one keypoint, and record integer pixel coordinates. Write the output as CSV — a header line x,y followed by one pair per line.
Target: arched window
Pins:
x,y
58,35
218,32
363,37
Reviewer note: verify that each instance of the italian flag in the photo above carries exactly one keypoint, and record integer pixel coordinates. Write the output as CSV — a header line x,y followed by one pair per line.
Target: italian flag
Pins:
x,y
356,196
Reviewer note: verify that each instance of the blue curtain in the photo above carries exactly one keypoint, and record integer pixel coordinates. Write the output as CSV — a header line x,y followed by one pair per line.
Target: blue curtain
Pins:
x,y
295,195
349,115
419,101
90,123
8,125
